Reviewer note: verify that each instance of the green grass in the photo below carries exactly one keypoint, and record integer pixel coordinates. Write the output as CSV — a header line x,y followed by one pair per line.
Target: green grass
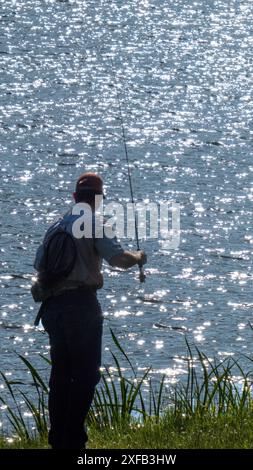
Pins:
x,y
209,411
194,433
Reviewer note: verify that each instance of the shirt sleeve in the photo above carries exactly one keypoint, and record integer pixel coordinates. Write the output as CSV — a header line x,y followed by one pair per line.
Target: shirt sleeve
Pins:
x,y
108,247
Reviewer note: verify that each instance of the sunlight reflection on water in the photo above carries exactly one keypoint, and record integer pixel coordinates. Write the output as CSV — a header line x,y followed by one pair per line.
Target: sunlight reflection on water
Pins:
x,y
184,73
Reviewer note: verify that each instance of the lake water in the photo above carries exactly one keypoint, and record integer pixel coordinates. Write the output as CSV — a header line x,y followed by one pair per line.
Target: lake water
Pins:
x,y
184,72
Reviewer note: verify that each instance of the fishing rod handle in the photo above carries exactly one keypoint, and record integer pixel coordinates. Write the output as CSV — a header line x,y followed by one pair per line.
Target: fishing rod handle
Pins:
x,y
142,275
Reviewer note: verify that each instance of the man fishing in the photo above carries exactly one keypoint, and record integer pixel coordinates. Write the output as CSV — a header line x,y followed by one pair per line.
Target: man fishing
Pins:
x,y
72,317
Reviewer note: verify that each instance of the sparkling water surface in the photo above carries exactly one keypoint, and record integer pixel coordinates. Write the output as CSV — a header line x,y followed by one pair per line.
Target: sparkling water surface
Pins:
x,y
184,71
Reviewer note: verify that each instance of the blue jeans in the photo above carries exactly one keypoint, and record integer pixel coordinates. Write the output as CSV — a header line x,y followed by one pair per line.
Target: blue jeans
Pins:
x,y
74,323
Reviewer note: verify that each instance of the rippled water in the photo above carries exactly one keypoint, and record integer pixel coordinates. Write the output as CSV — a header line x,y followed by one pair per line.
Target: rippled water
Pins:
x,y
184,72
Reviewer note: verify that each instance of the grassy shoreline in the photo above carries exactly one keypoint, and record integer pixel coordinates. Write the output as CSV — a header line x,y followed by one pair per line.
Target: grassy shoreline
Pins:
x,y
210,411
224,432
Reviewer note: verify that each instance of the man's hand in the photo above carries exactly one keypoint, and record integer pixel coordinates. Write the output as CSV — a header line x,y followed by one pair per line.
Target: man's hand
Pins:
x,y
143,258
127,259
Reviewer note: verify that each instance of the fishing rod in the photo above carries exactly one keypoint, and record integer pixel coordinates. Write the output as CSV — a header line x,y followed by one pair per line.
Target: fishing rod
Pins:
x,y
142,275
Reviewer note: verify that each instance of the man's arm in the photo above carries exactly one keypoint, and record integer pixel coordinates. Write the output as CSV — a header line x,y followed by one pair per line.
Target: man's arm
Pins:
x,y
127,259
112,251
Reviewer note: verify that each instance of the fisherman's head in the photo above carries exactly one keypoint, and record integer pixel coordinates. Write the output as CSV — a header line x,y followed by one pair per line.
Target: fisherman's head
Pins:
x,y
88,186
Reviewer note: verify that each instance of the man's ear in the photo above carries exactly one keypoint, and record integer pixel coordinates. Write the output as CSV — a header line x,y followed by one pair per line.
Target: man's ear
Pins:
x,y
74,196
